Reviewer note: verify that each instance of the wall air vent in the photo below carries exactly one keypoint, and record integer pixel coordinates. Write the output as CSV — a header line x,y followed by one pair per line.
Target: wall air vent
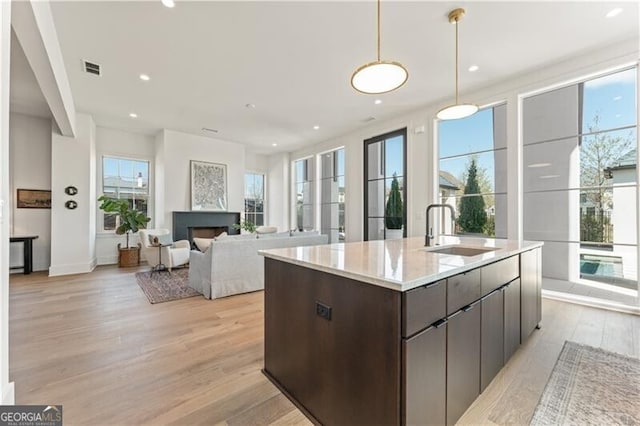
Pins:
x,y
91,68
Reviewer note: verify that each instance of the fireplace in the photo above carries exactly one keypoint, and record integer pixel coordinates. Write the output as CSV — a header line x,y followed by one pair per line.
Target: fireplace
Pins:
x,y
206,231
187,225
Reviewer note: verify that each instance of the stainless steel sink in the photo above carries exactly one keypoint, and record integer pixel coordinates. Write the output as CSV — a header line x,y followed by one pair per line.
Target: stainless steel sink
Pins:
x,y
460,250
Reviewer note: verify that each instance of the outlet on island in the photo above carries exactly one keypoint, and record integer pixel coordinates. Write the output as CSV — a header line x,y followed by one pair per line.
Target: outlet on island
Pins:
x,y
323,311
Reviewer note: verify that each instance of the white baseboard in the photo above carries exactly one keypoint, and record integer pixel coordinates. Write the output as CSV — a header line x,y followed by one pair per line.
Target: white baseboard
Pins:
x,y
108,260
9,394
590,301
70,269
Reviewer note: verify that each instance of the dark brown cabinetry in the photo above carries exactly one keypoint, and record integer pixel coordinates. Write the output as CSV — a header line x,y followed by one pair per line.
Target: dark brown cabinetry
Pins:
x,y
530,293
511,318
491,337
423,306
348,352
344,369
463,289
424,380
463,361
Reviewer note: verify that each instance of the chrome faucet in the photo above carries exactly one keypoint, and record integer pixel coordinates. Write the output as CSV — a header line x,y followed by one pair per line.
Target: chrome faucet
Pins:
x,y
428,236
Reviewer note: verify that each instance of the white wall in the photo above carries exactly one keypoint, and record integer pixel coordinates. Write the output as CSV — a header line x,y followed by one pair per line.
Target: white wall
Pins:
x,y
7,395
120,143
256,162
73,248
175,152
30,168
278,192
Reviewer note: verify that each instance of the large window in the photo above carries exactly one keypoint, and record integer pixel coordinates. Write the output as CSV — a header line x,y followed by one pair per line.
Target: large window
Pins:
x,y
125,179
580,182
473,169
254,198
385,186
305,212
332,195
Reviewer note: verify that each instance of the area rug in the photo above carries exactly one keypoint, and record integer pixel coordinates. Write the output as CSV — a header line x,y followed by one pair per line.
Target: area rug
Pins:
x,y
590,386
166,286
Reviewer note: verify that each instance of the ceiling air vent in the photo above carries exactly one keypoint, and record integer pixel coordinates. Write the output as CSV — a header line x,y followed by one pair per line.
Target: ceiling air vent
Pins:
x,y
91,68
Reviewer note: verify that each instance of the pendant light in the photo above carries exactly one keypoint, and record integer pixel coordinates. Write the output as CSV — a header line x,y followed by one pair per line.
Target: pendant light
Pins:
x,y
379,76
457,110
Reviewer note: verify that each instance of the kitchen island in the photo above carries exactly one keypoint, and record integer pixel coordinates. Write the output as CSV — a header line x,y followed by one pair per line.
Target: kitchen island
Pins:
x,y
392,332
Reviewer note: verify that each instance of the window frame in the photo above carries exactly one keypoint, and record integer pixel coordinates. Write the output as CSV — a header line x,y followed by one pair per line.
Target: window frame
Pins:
x,y
264,194
100,187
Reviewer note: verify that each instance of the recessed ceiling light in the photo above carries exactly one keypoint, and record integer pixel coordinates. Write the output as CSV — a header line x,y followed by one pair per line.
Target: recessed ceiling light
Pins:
x,y
250,106
538,165
274,144
168,3
316,127
617,98
474,68
377,101
614,12
133,115
144,77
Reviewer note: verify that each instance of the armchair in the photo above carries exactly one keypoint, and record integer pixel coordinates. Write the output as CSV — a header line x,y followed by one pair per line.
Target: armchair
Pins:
x,y
172,256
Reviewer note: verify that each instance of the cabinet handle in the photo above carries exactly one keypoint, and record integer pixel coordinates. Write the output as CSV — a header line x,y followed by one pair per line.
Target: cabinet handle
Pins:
x,y
467,308
432,284
440,323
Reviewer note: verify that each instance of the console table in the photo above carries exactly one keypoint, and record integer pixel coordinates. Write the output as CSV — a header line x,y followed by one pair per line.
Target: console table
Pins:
x,y
27,240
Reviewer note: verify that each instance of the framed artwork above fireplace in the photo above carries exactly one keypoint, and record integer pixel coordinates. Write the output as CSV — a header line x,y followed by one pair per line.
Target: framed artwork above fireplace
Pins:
x,y
208,186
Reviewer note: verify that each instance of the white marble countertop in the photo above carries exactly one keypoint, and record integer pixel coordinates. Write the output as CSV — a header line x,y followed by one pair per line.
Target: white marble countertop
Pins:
x,y
398,264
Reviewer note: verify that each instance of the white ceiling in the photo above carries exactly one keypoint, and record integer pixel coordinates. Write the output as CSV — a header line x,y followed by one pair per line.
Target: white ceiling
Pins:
x,y
293,60
25,94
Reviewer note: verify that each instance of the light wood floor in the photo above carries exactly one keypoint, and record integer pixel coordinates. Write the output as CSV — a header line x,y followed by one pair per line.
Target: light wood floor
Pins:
x,y
94,344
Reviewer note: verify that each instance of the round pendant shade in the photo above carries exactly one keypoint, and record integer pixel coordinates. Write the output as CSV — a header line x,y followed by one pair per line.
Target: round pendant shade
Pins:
x,y
379,77
453,112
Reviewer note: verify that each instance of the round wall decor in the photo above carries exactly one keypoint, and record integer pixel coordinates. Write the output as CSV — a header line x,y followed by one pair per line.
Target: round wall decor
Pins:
x,y
71,190
71,205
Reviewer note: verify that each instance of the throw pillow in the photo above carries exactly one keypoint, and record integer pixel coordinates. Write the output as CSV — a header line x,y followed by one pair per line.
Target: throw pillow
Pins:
x,y
221,236
203,243
266,229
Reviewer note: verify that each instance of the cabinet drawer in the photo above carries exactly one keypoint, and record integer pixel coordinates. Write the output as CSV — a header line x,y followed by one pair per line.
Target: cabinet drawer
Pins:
x,y
500,273
422,307
462,290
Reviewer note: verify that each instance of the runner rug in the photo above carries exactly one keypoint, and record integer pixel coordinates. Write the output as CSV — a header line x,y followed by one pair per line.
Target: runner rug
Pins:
x,y
166,286
590,386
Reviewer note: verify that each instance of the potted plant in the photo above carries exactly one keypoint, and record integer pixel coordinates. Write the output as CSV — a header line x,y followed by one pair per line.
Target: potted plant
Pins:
x,y
245,225
130,221
394,211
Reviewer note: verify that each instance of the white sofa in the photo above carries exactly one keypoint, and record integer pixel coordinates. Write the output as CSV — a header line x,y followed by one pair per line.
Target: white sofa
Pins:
x,y
232,265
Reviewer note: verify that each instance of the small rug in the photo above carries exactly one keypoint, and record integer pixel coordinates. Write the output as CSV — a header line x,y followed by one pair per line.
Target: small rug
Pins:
x,y
166,286
590,386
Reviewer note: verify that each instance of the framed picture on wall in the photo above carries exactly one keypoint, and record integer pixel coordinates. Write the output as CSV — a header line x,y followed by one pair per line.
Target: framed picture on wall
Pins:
x,y
208,186
33,199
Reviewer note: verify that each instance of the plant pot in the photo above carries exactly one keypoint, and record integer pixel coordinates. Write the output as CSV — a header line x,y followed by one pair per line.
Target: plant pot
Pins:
x,y
394,234
128,257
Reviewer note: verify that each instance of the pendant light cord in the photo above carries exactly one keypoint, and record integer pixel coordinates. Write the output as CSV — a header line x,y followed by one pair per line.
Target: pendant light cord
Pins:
x,y
457,70
378,30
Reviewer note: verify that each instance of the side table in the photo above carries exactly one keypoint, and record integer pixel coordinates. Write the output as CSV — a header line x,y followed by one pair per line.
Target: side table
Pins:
x,y
160,267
